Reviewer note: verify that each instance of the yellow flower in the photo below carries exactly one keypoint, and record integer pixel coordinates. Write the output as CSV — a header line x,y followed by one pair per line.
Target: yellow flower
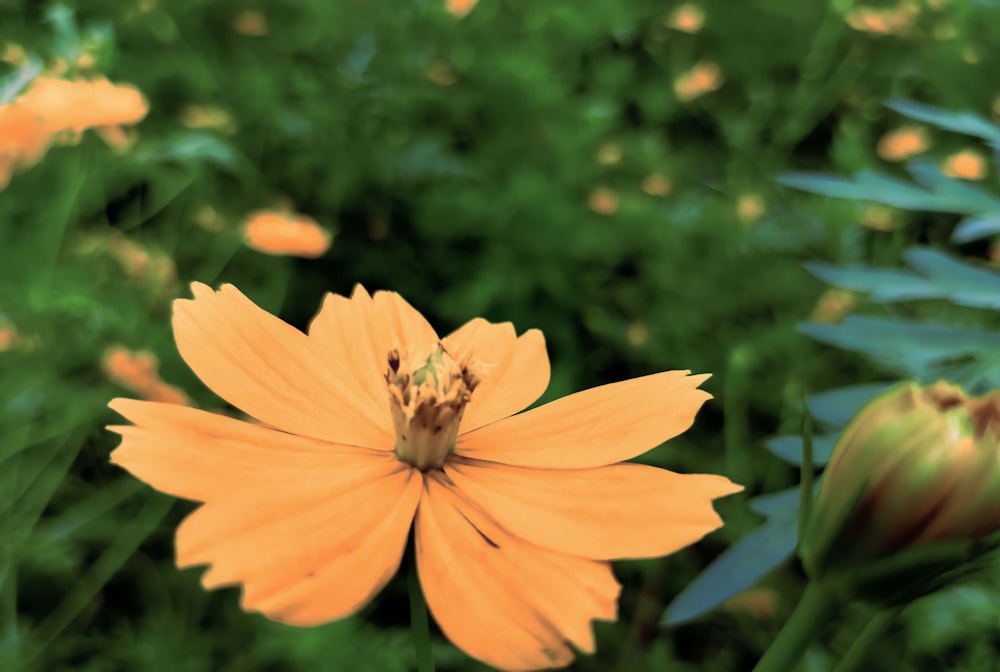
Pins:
x,y
750,207
610,153
371,424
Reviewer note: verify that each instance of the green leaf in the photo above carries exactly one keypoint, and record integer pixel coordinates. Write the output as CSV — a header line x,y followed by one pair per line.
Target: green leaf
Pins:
x,y
739,567
789,448
776,503
946,278
945,195
912,348
837,407
13,83
974,228
959,122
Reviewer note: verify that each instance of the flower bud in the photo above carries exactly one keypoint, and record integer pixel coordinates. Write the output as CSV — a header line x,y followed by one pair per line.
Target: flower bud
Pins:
x,y
911,493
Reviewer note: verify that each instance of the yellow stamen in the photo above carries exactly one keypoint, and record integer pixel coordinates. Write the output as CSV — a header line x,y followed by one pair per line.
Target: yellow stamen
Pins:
x,y
427,404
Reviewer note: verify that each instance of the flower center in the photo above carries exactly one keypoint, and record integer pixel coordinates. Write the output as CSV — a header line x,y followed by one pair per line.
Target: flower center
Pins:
x,y
427,403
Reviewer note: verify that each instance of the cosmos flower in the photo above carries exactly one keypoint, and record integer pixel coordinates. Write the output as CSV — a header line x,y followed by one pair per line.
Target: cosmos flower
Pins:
x,y
967,164
460,8
703,78
53,109
687,18
371,424
251,22
903,143
139,372
71,107
279,233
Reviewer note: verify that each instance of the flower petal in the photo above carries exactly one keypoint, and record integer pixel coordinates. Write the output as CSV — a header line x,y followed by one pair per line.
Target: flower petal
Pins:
x,y
509,603
199,455
599,426
310,547
514,371
619,511
272,371
361,330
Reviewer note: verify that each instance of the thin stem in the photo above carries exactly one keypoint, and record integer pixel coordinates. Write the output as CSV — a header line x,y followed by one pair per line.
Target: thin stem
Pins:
x,y
806,472
872,631
418,621
813,611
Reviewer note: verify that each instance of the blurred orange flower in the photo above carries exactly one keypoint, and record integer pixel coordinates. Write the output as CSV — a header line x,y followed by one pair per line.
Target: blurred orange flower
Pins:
x,y
892,21
8,335
73,106
280,233
208,116
833,305
251,22
441,73
966,165
656,184
903,143
371,424
53,109
460,8
878,218
13,54
758,603
138,372
610,153
23,140
750,208
703,78
603,201
688,18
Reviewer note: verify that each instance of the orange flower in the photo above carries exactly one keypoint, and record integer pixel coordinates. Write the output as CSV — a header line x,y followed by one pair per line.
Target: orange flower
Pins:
x,y
53,108
903,143
73,106
703,78
896,20
138,372
460,8
23,140
656,184
965,165
279,233
603,201
370,424
251,22
687,18
833,305
8,335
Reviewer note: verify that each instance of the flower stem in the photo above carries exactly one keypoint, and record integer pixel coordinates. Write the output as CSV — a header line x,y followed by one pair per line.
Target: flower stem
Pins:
x,y
873,629
418,622
813,611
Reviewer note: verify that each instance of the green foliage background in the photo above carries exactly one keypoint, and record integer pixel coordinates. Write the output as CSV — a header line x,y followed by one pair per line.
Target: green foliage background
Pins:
x,y
466,190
